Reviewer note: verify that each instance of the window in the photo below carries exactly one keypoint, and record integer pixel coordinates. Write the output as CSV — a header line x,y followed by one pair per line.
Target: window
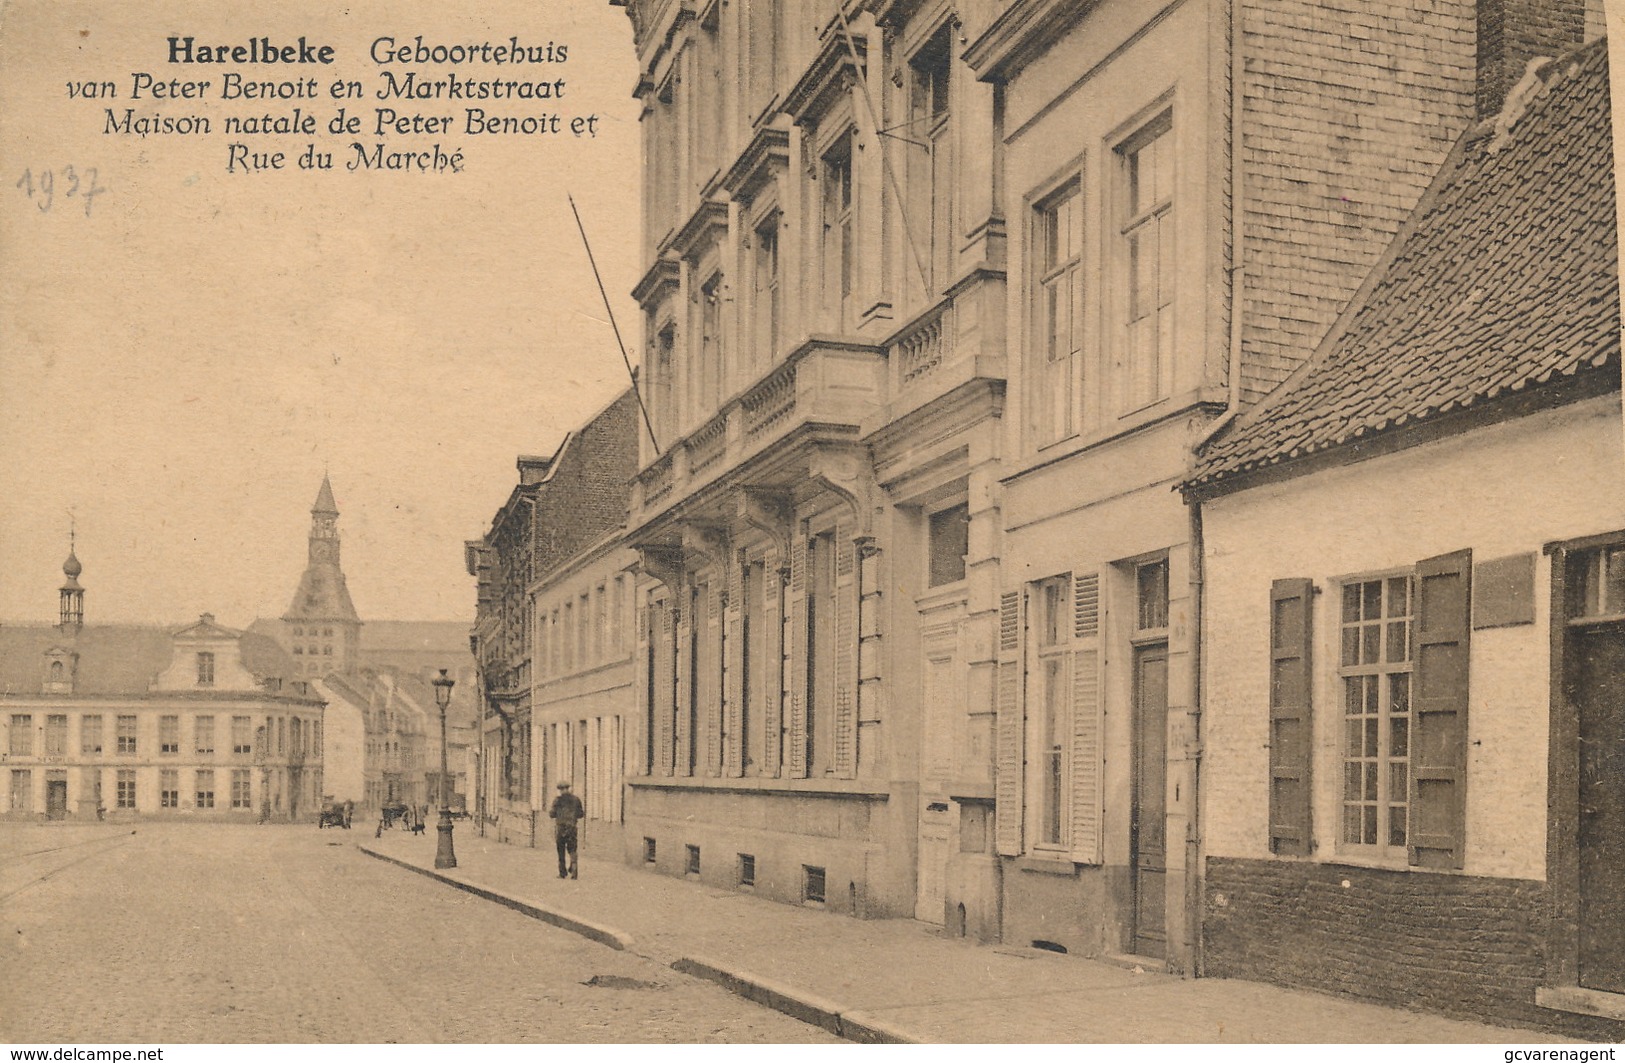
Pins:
x,y
58,672
747,869
600,618
1595,586
648,850
124,795
56,736
1054,703
569,636
930,169
1057,317
90,735
22,790
242,734
22,735
169,734
240,788
692,859
169,788
205,788
837,249
812,884
203,730
765,291
1151,587
949,541
1143,366
1374,663
712,369
126,734
820,642
205,669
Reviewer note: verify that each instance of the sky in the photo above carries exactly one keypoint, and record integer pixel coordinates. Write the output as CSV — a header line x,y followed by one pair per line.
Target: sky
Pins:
x,y
182,358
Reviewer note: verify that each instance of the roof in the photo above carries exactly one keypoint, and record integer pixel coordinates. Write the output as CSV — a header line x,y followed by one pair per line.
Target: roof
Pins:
x,y
115,658
1503,283
447,636
325,506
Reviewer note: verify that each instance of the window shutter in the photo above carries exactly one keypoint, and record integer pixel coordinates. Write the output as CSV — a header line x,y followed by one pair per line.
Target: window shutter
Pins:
x,y
682,736
641,687
1437,833
665,635
797,653
733,694
774,672
846,656
1087,751
711,682
1011,734
1289,798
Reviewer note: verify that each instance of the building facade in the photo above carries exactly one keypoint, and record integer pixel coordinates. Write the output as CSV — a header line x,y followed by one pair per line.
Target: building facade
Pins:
x,y
1414,557
110,721
384,725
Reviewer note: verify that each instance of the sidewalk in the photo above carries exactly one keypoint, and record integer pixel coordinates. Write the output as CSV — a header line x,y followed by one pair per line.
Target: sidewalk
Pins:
x,y
898,980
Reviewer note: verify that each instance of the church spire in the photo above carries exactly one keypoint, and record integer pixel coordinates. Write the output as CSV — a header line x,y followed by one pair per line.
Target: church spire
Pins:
x,y
71,595
321,626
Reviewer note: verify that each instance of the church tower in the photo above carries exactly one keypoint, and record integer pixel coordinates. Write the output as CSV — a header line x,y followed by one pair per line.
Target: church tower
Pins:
x,y
321,627
70,595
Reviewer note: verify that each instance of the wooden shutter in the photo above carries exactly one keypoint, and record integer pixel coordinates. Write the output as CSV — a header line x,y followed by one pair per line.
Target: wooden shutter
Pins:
x,y
665,687
846,656
1290,684
1011,732
682,731
797,653
733,693
1087,753
711,679
1438,746
640,689
776,670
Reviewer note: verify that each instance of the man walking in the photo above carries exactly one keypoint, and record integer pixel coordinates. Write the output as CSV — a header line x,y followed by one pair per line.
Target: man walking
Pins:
x,y
566,811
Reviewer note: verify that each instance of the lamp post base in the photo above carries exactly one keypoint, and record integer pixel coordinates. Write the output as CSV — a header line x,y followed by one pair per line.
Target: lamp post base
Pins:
x,y
444,855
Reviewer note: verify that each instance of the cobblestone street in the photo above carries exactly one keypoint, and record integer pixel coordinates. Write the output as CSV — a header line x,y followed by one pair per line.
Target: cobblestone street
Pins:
x,y
229,933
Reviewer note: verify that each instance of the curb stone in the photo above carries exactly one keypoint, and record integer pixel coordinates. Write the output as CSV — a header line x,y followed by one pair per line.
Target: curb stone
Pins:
x,y
604,935
798,1004
811,1009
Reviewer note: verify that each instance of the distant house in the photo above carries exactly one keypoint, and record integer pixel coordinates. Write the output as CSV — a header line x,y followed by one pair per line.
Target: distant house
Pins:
x,y
1413,788
121,721
383,719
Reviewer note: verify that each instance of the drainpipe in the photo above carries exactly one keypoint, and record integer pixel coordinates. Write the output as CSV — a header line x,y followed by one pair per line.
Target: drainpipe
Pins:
x,y
1238,217
1194,877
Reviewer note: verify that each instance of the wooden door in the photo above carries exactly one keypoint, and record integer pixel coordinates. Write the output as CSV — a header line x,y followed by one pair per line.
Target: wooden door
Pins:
x,y
1598,692
1148,864
56,798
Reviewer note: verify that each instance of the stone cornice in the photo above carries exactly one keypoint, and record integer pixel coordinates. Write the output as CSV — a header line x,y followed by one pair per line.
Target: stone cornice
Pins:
x,y
765,157
662,274
829,74
1016,37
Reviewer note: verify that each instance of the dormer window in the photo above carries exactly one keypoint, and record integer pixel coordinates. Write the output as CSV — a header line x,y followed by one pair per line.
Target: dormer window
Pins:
x,y
205,669
58,673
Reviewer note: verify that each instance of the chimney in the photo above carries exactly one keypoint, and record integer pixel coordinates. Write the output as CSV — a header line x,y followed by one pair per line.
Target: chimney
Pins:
x,y
1511,33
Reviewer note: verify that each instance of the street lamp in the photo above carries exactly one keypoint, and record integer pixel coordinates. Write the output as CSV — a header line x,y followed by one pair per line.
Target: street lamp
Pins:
x,y
444,855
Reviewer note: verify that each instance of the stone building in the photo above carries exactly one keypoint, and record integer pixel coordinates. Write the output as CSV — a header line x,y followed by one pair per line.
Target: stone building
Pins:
x,y
1414,549
383,721
555,631
122,721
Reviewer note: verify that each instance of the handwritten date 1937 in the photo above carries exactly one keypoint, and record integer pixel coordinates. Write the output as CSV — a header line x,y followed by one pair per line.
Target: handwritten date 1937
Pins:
x,y
42,187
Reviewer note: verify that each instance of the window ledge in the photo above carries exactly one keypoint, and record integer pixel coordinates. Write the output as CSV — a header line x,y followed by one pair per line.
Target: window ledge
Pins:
x,y
1580,1001
1046,864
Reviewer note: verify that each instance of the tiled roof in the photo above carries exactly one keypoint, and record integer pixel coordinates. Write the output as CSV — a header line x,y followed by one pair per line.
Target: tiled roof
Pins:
x,y
1504,281
113,658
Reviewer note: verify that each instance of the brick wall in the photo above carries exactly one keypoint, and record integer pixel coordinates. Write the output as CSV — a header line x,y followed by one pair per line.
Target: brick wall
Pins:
x,y
1512,32
588,493
1349,108
1462,945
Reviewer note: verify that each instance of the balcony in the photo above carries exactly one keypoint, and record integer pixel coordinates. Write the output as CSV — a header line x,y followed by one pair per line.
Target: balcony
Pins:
x,y
825,390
